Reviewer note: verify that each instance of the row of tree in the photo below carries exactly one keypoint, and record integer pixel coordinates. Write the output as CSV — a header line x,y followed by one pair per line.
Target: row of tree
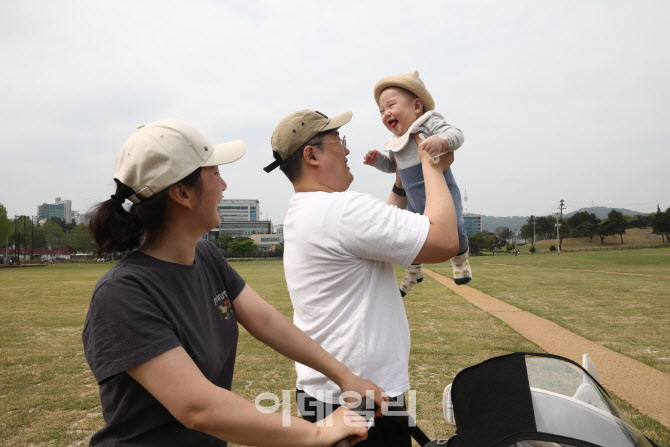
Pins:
x,y
54,233
582,224
243,245
585,224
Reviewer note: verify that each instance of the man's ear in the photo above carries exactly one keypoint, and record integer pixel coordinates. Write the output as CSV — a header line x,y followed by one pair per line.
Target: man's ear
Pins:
x,y
311,155
181,195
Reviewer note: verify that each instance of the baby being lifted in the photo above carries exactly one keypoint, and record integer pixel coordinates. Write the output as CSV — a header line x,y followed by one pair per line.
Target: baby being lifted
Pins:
x,y
407,109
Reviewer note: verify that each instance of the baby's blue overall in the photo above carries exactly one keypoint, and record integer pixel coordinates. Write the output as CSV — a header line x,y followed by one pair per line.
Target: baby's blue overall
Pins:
x,y
412,181
411,173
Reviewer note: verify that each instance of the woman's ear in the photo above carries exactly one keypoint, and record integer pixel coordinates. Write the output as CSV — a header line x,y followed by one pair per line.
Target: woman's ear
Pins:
x,y
181,195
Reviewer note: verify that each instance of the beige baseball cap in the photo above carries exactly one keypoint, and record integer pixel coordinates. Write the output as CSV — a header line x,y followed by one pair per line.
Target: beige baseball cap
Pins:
x,y
298,128
408,81
160,154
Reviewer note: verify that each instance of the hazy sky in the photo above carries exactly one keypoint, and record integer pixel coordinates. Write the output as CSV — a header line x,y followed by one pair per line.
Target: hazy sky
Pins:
x,y
557,99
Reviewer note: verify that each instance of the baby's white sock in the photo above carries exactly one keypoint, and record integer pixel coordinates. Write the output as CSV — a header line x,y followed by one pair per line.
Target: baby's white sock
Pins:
x,y
413,276
461,268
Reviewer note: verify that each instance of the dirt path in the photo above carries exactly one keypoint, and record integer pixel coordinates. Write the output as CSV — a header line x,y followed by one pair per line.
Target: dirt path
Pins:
x,y
644,387
580,270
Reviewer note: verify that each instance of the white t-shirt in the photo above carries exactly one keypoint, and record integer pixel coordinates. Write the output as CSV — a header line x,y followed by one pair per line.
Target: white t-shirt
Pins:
x,y
339,251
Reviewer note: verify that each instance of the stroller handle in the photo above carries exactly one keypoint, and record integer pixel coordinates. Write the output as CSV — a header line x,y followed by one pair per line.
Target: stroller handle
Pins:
x,y
360,410
401,417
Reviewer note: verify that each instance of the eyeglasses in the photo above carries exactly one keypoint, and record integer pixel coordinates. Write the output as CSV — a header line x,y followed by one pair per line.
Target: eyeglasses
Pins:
x,y
342,141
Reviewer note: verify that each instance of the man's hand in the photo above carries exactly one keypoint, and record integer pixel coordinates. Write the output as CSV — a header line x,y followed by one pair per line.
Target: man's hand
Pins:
x,y
371,157
445,161
362,386
434,146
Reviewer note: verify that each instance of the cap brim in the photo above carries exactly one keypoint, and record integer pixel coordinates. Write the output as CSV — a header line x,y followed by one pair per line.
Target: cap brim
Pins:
x,y
226,153
337,121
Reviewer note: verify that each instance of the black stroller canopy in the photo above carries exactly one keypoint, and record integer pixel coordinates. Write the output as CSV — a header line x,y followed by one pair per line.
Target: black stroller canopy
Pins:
x,y
525,397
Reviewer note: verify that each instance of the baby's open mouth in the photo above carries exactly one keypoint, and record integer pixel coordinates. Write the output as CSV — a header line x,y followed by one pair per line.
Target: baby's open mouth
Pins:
x,y
393,123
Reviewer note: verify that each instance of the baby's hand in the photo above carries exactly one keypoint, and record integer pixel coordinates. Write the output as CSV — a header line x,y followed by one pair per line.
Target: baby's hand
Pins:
x,y
434,146
371,157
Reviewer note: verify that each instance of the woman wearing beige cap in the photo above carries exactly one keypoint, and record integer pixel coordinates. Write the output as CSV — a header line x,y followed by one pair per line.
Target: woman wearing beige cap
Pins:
x,y
161,332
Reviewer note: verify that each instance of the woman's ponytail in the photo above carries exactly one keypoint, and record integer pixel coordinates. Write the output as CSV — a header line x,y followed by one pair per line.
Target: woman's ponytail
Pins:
x,y
113,228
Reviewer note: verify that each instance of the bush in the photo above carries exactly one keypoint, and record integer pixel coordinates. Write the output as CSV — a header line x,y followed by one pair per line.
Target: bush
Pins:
x,y
510,247
532,249
552,248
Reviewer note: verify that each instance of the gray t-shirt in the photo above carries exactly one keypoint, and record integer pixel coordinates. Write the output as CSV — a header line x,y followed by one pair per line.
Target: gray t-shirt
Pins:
x,y
144,307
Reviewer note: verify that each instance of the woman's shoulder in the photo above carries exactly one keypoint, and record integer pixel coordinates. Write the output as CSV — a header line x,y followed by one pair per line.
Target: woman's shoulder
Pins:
x,y
132,272
206,245
208,250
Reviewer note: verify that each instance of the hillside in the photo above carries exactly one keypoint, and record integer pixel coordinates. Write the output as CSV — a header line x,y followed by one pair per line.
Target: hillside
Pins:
x,y
514,223
601,212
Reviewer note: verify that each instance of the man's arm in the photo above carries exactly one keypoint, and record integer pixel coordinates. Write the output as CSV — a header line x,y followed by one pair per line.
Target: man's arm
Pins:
x,y
442,241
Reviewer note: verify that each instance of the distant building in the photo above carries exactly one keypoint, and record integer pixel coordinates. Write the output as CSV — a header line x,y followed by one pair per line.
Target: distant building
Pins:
x,y
472,224
279,230
68,209
211,235
239,210
266,241
46,211
246,229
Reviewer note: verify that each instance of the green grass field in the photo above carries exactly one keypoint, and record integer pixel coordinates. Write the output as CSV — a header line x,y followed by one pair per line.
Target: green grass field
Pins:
x,y
49,397
629,314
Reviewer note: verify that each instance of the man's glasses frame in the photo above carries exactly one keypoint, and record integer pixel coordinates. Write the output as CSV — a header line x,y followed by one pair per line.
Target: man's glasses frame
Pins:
x,y
342,141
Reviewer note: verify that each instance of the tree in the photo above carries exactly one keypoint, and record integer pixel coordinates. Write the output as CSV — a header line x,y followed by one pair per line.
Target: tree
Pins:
x,y
505,234
53,234
641,221
617,223
66,227
241,245
80,239
589,229
660,223
5,226
526,231
278,250
223,240
578,224
545,226
492,240
477,243
603,230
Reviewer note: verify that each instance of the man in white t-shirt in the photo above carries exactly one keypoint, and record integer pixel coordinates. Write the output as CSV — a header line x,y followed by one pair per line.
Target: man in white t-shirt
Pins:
x,y
339,251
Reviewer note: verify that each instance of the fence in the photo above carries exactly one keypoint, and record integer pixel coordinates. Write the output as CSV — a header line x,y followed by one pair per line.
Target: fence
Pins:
x,y
572,250
259,255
